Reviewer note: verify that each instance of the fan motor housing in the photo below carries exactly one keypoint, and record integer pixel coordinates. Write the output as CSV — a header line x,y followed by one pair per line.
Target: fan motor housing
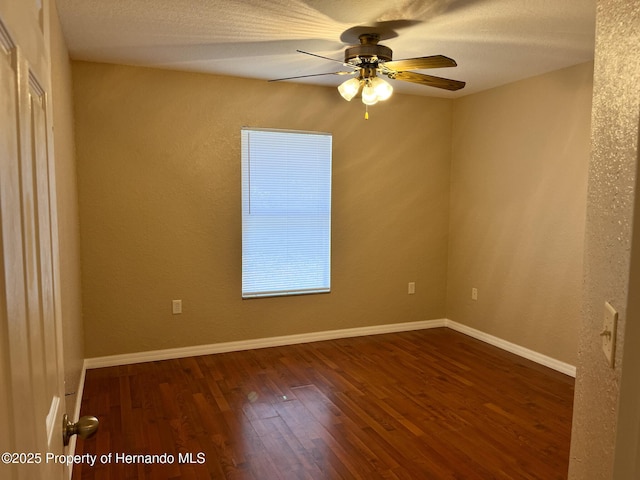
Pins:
x,y
369,52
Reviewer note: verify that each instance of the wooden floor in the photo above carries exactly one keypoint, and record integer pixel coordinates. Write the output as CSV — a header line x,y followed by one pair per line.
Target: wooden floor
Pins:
x,y
430,404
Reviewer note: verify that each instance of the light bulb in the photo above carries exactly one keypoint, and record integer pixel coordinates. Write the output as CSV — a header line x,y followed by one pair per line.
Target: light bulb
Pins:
x,y
349,89
369,95
383,89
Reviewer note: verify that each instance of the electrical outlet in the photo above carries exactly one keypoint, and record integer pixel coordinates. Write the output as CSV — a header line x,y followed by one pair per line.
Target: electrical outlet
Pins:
x,y
176,307
412,288
608,333
474,294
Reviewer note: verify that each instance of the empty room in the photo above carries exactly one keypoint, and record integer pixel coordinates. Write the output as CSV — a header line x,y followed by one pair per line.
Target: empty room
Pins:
x,y
319,240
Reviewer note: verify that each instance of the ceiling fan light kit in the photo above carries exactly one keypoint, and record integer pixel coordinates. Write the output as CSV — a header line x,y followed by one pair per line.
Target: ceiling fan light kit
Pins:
x,y
372,89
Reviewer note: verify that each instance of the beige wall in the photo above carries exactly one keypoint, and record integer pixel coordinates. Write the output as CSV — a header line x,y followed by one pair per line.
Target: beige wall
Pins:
x,y
518,195
159,193
606,420
71,304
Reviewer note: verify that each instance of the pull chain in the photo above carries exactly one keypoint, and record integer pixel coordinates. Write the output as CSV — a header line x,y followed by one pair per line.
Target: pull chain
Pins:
x,y
366,112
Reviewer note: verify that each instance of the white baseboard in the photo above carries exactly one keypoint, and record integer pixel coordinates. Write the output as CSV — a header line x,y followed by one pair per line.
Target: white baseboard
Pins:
x,y
129,358
552,363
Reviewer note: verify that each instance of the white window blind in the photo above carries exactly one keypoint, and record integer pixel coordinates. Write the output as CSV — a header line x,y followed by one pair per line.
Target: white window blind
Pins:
x,y
286,212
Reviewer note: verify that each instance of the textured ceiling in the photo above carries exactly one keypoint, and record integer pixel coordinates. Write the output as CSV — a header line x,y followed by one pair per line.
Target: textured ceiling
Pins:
x,y
493,41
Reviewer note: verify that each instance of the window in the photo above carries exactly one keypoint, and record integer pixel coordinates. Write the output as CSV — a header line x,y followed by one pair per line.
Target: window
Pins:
x,y
286,212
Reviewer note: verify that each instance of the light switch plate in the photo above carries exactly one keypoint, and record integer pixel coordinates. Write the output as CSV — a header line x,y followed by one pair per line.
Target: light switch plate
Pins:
x,y
608,333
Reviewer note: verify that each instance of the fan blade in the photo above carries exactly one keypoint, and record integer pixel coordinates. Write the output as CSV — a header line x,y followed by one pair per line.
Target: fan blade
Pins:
x,y
419,63
313,75
428,80
319,56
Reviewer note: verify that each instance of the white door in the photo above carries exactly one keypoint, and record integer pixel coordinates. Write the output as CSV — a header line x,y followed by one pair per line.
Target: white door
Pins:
x,y
31,370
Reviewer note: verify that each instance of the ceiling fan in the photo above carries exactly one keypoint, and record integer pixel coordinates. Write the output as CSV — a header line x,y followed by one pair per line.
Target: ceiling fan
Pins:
x,y
369,60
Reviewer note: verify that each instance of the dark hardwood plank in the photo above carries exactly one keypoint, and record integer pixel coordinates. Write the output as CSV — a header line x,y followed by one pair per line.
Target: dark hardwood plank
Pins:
x,y
430,404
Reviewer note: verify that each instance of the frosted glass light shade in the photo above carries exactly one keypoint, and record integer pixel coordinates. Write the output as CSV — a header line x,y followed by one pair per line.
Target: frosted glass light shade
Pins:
x,y
369,95
349,89
383,89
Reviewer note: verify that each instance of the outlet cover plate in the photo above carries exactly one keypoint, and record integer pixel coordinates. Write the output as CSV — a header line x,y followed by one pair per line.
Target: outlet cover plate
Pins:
x,y
176,307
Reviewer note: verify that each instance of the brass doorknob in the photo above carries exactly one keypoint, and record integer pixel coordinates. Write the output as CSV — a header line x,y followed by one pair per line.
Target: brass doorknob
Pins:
x,y
85,427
